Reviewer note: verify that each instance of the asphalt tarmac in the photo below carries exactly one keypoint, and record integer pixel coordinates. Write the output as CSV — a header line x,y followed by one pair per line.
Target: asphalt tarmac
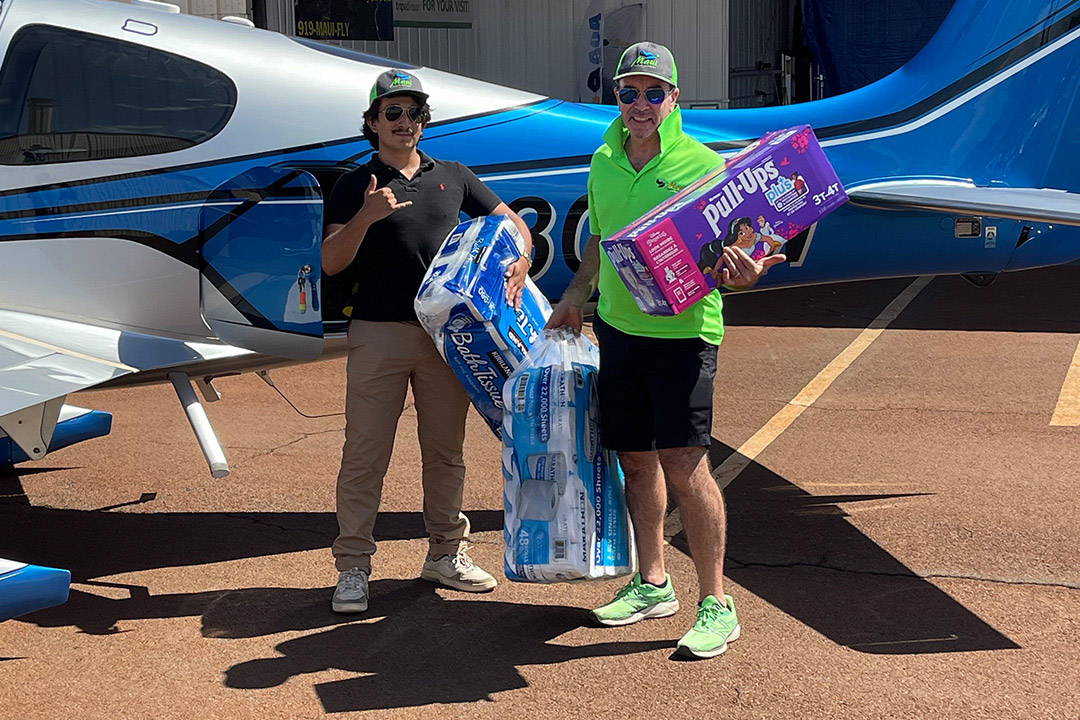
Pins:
x,y
902,542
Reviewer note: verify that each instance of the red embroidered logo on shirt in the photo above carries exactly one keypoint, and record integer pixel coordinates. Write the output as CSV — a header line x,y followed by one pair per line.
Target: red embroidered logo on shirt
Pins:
x,y
441,186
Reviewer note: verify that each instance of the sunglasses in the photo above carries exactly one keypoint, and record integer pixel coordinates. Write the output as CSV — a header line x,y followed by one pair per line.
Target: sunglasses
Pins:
x,y
629,95
393,112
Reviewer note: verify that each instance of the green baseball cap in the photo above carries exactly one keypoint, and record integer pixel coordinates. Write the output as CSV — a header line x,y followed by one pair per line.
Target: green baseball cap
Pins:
x,y
396,82
646,58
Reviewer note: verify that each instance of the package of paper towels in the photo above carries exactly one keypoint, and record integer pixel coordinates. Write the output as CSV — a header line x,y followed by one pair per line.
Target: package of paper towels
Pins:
x,y
462,305
565,510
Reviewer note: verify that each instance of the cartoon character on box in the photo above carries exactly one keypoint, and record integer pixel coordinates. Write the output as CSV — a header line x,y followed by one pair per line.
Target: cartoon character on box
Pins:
x,y
768,236
800,184
741,234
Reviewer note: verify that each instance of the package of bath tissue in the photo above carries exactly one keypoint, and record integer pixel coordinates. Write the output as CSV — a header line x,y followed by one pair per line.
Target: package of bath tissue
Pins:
x,y
462,305
565,511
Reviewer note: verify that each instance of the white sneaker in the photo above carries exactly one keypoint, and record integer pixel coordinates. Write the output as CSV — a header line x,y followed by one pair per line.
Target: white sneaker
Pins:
x,y
458,572
351,595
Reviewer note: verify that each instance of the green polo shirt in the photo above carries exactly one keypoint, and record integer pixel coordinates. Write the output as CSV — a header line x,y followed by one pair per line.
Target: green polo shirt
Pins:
x,y
619,195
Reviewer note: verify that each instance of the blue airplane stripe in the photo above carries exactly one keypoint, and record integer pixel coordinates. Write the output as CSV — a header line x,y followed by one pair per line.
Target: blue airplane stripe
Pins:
x,y
156,202
956,88
182,250
46,202
522,166
703,122
238,301
515,112
174,226
259,195
700,122
239,199
1025,31
242,160
471,121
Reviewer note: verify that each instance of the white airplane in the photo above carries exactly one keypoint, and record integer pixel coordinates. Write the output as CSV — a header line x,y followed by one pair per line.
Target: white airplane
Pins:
x,y
162,214
163,174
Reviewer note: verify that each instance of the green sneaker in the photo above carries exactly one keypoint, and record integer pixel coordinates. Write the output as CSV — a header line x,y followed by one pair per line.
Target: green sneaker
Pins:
x,y
636,601
715,627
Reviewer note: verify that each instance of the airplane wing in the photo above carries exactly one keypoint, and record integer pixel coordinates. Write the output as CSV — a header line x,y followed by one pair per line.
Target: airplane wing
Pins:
x,y
1030,204
43,358
41,361
26,588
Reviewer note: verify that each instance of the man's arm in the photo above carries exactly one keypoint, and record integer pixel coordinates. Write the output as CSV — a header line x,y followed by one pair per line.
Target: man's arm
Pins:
x,y
567,313
340,242
519,269
504,209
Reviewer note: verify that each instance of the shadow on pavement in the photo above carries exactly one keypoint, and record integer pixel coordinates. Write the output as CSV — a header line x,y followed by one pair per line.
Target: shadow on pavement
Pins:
x,y
101,543
98,543
800,553
241,613
793,549
427,649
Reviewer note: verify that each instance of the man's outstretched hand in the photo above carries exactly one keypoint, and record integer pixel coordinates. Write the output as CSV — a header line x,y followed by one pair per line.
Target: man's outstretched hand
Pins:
x,y
741,272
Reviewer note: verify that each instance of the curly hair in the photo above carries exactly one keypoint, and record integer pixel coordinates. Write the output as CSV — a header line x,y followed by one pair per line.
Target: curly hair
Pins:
x,y
373,112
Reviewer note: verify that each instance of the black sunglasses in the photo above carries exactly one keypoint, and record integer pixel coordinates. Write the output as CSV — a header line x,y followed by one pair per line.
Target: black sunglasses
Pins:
x,y
393,112
629,95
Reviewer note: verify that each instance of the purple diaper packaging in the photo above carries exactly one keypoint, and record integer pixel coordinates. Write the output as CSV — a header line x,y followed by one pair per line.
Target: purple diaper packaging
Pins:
x,y
774,189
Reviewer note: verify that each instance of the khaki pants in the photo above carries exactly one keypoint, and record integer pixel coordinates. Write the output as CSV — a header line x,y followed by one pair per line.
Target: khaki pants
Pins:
x,y
384,357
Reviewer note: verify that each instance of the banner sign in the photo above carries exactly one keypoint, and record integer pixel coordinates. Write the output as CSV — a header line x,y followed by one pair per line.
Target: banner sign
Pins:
x,y
457,14
344,19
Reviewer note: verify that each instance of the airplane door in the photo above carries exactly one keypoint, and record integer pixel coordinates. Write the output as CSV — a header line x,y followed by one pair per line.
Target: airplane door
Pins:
x,y
259,258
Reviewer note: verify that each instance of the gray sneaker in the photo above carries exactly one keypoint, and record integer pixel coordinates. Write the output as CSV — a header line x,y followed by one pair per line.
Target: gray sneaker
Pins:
x,y
351,595
458,572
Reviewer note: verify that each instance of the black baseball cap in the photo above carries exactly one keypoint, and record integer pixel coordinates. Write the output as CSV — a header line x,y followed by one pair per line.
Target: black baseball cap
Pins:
x,y
396,82
646,58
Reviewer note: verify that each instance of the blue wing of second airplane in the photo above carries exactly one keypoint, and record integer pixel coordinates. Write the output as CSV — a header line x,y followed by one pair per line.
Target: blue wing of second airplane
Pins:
x,y
26,588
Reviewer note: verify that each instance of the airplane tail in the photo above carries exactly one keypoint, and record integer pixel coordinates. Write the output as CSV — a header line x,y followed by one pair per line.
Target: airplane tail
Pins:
x,y
991,98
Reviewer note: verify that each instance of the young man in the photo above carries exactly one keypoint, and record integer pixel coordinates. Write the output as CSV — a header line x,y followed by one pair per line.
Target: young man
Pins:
x,y
385,221
656,373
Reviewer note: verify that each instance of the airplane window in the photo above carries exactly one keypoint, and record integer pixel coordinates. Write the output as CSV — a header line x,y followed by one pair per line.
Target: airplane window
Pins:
x,y
348,54
67,96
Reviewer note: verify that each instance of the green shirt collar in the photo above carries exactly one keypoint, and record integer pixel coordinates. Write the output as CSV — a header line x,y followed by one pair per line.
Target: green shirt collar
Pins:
x,y
670,130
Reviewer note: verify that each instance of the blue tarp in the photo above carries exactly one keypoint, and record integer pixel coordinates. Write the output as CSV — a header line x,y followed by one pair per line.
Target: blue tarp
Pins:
x,y
857,42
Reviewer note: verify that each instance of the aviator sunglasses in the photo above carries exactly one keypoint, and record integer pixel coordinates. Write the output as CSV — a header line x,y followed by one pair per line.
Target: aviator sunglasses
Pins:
x,y
393,112
629,95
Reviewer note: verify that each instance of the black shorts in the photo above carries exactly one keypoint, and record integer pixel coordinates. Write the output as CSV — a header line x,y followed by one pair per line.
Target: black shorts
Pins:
x,y
654,393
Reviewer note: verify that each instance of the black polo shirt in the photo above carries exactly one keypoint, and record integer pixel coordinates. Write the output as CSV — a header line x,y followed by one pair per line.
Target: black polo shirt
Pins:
x,y
397,250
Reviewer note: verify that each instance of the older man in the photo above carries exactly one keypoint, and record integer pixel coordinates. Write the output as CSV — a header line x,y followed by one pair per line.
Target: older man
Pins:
x,y
656,373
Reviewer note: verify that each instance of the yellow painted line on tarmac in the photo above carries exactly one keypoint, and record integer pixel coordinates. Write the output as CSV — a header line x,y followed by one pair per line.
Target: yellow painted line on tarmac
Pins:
x,y
781,421
1067,410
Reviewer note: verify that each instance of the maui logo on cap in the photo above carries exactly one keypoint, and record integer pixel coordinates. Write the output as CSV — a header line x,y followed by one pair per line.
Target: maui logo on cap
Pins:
x,y
401,80
645,58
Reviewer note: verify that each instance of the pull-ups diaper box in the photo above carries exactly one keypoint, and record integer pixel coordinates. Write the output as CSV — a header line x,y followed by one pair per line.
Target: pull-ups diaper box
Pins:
x,y
776,188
